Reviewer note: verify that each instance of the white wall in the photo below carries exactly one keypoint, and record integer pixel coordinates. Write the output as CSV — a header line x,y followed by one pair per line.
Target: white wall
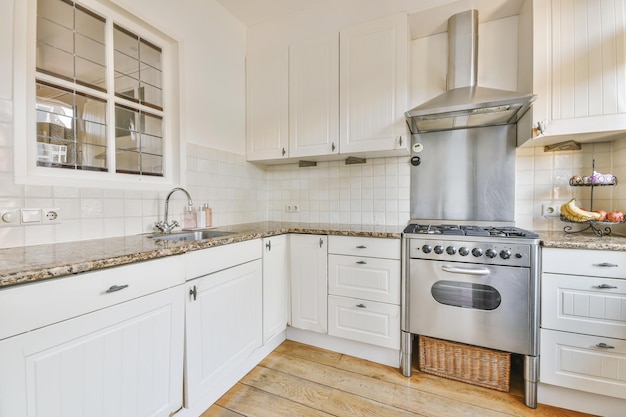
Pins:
x,y
212,96
212,50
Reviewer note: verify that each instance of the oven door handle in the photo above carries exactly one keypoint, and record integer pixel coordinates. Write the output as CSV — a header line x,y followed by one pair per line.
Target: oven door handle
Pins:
x,y
469,271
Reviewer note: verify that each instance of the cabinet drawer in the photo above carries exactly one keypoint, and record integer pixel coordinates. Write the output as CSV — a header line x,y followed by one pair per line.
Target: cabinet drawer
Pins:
x,y
207,261
597,263
39,304
364,246
372,279
586,305
364,321
576,361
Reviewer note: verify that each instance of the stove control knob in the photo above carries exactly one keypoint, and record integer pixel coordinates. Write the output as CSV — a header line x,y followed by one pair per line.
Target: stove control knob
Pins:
x,y
438,250
490,253
450,250
463,251
427,248
477,252
505,254
518,255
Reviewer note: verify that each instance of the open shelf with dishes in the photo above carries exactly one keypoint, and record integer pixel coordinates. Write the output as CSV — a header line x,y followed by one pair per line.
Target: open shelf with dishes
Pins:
x,y
602,225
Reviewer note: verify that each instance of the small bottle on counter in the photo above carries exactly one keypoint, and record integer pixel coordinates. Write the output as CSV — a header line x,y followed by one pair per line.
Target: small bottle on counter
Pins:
x,y
200,218
189,218
208,214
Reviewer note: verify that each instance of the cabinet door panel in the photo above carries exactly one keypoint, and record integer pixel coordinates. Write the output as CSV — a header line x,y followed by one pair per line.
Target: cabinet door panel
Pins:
x,y
368,278
309,282
579,362
267,105
364,321
584,304
373,85
224,325
275,285
593,263
314,97
125,360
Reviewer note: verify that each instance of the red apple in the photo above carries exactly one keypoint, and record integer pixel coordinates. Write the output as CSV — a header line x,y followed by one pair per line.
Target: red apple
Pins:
x,y
602,214
615,217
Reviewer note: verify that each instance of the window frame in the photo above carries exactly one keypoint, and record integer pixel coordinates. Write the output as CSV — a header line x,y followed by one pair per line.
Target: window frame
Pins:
x,y
24,113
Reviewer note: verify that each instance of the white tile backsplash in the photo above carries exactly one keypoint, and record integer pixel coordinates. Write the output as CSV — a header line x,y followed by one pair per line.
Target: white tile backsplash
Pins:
x,y
544,177
377,192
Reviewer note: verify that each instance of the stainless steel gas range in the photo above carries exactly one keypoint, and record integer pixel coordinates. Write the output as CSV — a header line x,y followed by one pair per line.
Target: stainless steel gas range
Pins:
x,y
477,285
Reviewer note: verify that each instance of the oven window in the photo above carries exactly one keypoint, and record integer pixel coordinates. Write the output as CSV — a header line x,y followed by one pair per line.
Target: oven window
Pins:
x,y
466,294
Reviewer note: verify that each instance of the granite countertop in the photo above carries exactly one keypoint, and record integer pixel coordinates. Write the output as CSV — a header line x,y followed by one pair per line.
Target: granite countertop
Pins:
x,y
582,241
34,263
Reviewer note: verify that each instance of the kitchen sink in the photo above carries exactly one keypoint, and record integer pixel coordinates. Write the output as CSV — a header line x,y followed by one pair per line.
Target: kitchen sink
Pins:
x,y
190,236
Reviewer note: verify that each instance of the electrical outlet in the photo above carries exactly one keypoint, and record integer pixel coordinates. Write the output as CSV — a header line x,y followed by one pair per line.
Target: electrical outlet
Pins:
x,y
550,209
295,208
288,208
50,215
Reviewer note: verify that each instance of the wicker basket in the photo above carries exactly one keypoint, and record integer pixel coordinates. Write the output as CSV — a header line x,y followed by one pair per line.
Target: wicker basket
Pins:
x,y
474,365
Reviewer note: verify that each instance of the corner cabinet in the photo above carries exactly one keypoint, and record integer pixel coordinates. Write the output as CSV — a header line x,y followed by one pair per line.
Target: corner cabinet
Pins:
x,y
577,68
223,316
102,343
373,86
275,285
309,282
583,325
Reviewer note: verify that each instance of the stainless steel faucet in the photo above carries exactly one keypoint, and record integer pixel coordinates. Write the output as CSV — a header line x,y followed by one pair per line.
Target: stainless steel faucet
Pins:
x,y
164,226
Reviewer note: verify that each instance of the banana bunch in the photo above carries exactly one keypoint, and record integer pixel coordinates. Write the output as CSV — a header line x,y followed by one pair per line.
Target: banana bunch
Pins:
x,y
574,213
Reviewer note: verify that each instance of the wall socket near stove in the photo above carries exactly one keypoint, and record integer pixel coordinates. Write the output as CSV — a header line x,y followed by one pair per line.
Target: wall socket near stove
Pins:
x,y
550,209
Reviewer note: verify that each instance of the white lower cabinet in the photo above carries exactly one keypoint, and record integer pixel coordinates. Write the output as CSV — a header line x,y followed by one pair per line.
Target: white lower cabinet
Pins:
x,y
583,324
223,316
275,285
122,360
364,290
582,362
364,321
309,282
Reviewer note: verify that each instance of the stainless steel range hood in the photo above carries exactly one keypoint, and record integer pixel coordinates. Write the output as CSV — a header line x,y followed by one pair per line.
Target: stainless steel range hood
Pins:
x,y
464,104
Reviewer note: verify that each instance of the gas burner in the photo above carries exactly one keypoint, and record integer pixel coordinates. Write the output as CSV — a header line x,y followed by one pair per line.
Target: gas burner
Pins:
x,y
464,230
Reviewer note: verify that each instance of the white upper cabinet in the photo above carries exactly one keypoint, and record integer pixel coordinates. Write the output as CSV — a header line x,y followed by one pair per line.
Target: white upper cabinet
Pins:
x,y
314,97
267,109
373,86
576,66
332,95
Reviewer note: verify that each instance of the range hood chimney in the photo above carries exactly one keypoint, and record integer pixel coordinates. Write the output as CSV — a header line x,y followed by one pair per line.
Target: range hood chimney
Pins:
x,y
465,104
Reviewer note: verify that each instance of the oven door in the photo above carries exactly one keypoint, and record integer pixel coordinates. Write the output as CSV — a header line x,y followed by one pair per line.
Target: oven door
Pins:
x,y
482,305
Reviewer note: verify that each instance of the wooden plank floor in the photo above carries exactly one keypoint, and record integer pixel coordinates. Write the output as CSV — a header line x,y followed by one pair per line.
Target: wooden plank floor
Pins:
x,y
298,380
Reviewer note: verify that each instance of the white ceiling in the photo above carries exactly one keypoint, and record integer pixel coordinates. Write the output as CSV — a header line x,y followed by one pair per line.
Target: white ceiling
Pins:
x,y
426,22
251,12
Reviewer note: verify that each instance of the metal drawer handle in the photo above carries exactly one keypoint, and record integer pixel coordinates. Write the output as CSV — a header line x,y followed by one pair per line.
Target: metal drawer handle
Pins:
x,y
605,346
361,306
606,265
361,247
457,270
114,288
605,286
361,262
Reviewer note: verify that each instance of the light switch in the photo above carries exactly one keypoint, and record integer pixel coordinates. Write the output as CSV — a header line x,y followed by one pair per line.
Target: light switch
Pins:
x,y
31,216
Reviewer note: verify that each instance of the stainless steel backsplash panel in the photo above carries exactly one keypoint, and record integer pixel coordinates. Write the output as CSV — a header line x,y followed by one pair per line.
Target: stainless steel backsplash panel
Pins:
x,y
465,175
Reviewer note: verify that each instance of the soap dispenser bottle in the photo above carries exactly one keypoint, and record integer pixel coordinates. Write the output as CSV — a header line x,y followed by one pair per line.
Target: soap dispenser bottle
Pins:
x,y
189,218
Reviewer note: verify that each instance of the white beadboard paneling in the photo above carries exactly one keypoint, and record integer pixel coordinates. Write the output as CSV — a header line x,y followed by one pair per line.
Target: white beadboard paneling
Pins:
x,y
589,43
